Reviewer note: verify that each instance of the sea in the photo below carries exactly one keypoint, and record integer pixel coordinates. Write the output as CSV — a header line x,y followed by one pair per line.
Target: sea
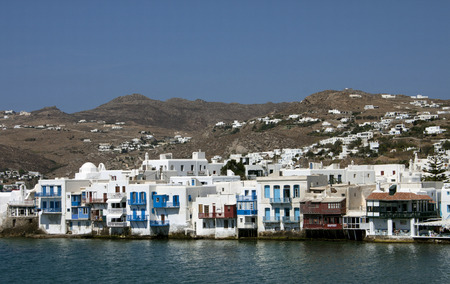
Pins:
x,y
25,260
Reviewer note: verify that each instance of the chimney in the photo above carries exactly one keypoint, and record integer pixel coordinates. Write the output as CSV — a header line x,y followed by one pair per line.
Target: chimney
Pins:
x,y
392,189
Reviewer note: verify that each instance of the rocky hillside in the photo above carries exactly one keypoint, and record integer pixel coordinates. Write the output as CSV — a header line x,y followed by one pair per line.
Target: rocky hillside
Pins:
x,y
176,114
57,143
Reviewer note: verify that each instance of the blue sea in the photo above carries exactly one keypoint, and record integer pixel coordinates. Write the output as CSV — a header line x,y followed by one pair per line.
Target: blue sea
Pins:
x,y
214,261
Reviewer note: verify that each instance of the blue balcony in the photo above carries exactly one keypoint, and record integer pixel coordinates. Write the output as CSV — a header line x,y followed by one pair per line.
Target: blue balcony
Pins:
x,y
76,203
137,218
246,198
280,200
271,219
159,223
291,219
48,194
247,212
137,202
51,210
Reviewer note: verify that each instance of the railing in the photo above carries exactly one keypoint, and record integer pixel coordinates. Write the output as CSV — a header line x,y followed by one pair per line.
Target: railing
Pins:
x,y
248,226
96,200
24,203
167,205
76,203
246,198
51,210
280,200
97,218
305,209
137,218
80,217
271,219
398,215
290,219
216,215
48,194
247,212
117,195
158,223
117,224
323,226
137,202
117,211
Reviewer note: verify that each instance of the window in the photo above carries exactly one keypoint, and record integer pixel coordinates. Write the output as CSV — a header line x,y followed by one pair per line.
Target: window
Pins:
x,y
296,190
382,173
182,168
393,172
266,191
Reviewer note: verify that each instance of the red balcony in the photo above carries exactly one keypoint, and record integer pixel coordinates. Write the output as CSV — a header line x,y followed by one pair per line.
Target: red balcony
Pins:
x,y
322,208
229,212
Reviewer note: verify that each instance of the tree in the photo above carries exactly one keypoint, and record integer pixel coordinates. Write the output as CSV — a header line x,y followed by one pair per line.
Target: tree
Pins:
x,y
237,168
435,169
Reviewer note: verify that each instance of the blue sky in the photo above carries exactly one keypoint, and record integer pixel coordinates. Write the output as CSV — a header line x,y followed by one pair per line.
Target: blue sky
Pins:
x,y
80,54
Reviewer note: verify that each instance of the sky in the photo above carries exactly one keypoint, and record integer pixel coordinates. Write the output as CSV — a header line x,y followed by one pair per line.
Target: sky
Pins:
x,y
77,55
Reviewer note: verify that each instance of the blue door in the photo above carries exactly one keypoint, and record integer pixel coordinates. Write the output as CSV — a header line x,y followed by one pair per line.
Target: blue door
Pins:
x,y
267,213
297,214
51,190
134,214
277,214
142,214
276,192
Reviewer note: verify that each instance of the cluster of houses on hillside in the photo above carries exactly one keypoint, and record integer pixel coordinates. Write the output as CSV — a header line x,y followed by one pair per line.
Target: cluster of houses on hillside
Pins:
x,y
169,196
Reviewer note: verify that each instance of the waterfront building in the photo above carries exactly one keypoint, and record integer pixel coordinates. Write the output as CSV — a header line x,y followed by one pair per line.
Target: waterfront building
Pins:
x,y
278,200
396,213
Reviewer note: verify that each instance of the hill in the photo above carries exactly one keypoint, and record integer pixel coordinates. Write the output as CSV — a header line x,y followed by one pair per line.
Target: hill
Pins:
x,y
58,143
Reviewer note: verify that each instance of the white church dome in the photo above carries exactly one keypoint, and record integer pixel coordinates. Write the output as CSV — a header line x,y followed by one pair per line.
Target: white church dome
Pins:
x,y
88,168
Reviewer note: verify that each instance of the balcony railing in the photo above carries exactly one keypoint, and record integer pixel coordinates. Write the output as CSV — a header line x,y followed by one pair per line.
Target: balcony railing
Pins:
x,y
291,219
117,224
22,203
76,203
408,215
271,219
51,210
117,195
323,226
137,218
96,200
117,211
216,215
137,202
167,205
48,194
280,200
80,217
247,212
248,226
305,209
246,198
159,223
98,218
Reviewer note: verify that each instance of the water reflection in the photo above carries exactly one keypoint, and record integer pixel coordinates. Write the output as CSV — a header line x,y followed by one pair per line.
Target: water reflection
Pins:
x,y
181,261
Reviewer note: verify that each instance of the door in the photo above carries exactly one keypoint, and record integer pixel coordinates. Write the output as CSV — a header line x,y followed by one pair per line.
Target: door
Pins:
x,y
287,191
297,214
276,192
267,214
277,214
142,214
162,219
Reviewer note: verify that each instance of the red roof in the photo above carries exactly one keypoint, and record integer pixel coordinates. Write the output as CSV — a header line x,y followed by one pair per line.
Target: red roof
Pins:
x,y
397,196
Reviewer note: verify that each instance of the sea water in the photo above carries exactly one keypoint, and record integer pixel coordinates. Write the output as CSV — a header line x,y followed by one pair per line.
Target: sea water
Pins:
x,y
214,261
